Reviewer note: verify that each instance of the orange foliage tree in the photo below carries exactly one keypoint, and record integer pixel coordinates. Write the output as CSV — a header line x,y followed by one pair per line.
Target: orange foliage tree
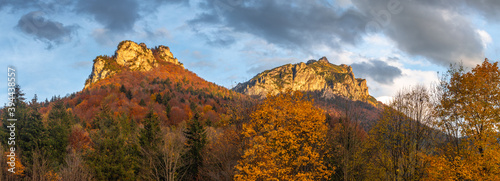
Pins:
x,y
286,141
19,167
469,113
79,139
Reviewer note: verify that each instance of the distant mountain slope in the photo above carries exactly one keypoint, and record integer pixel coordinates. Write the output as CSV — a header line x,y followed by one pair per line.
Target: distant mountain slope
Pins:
x,y
314,76
137,79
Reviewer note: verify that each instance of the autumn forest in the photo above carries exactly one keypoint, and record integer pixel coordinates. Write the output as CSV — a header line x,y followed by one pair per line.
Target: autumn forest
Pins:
x,y
170,124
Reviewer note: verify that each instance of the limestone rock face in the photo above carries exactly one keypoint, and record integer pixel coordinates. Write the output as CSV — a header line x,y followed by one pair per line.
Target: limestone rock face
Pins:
x,y
132,56
98,71
329,79
164,53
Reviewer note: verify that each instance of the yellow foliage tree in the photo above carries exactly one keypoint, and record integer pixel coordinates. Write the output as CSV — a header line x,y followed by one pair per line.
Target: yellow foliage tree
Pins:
x,y
19,167
469,112
286,141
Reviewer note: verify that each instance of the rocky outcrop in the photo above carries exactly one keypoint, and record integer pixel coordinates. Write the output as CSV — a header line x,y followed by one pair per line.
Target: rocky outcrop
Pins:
x,y
132,56
164,53
315,75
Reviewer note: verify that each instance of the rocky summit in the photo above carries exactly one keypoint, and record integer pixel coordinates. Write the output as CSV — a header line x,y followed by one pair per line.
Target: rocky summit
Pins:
x,y
314,76
132,56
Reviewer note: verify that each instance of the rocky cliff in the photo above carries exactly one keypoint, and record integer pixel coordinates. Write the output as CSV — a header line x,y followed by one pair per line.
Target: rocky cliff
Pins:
x,y
329,79
132,56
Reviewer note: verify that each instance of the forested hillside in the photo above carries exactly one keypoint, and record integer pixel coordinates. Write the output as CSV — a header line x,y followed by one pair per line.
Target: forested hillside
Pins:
x,y
166,123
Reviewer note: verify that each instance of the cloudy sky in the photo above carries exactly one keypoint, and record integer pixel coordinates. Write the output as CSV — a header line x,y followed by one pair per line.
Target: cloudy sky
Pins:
x,y
391,43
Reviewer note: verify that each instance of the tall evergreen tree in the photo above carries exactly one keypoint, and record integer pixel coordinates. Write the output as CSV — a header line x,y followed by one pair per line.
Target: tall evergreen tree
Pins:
x,y
113,155
123,89
150,136
59,123
29,128
196,142
151,141
129,94
18,95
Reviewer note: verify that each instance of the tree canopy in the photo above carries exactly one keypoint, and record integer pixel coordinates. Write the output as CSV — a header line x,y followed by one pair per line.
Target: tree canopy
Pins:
x,y
286,140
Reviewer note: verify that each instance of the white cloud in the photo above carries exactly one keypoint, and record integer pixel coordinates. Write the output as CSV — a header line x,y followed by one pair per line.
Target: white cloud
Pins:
x,y
410,78
342,57
485,37
385,99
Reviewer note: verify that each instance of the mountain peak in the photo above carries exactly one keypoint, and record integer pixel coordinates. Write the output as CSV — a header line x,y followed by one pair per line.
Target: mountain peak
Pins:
x,y
314,76
321,60
132,56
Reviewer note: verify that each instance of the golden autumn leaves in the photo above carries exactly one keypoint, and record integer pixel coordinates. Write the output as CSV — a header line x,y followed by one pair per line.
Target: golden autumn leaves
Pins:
x,y
285,141
451,133
469,110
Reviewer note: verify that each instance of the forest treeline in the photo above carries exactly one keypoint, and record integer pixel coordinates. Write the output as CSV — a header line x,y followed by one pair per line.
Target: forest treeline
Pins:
x,y
449,131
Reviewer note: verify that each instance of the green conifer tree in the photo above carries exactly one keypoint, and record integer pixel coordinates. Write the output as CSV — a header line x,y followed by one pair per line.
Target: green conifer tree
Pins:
x,y
196,142
113,155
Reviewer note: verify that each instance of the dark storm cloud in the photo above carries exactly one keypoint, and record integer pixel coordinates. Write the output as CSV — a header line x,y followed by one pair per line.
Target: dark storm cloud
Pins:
x,y
121,15
170,2
18,4
43,29
294,24
440,31
488,8
48,6
427,28
377,70
115,15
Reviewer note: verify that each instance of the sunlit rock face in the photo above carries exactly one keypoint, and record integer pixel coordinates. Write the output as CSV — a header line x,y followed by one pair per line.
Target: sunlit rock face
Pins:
x,y
315,75
132,56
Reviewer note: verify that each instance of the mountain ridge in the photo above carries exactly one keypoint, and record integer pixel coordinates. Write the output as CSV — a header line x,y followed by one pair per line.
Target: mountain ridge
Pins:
x,y
315,75
137,77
